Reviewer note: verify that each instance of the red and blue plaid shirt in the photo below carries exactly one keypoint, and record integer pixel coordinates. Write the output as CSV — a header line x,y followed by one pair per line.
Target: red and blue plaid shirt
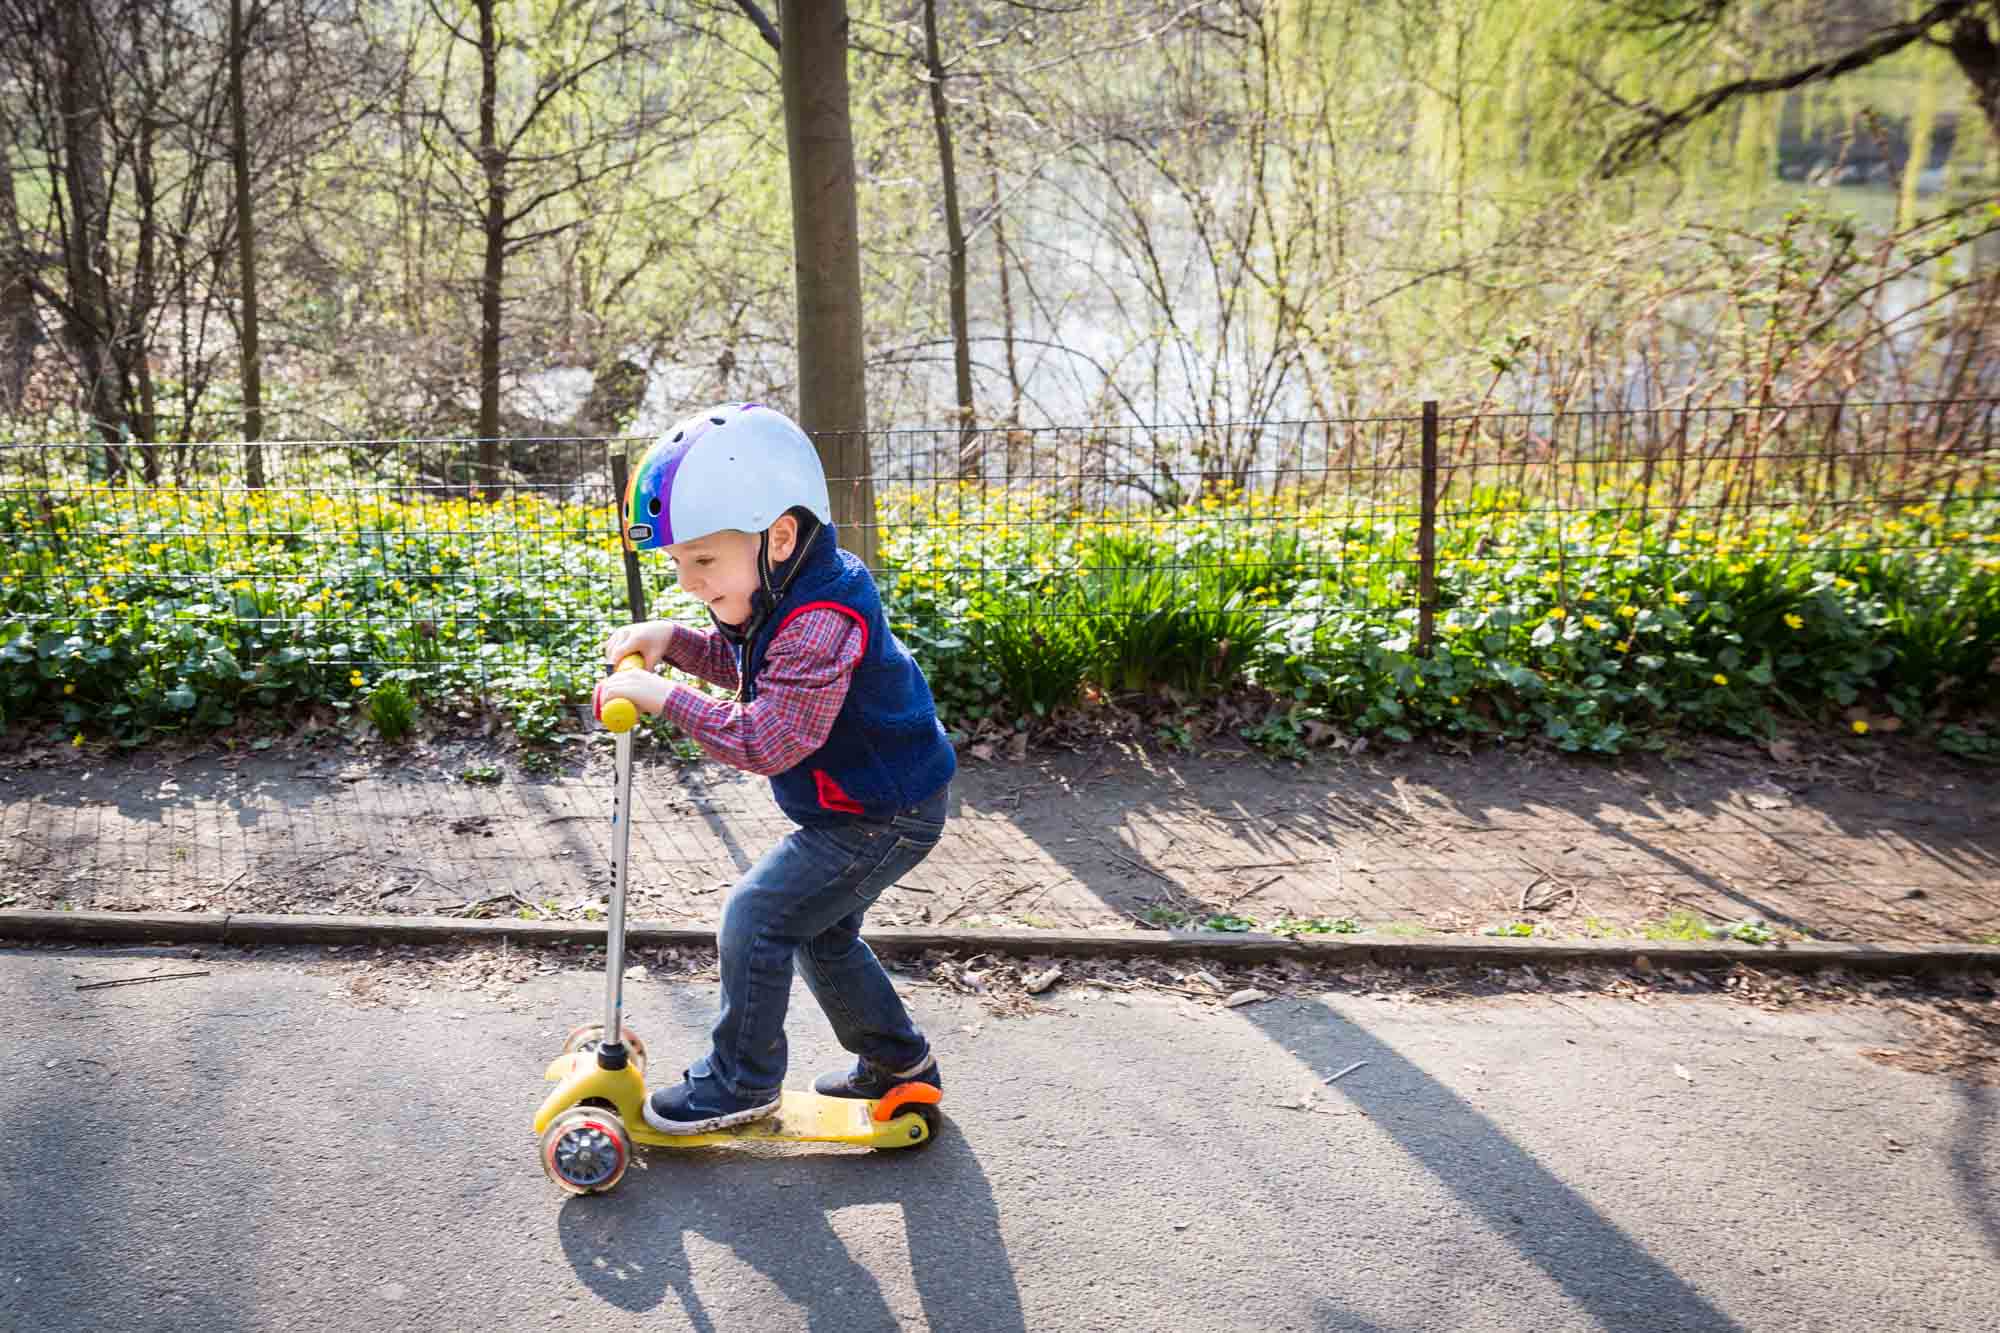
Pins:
x,y
800,688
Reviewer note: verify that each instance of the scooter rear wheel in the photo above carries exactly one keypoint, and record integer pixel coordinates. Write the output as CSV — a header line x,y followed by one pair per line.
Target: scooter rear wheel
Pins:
x,y
933,1122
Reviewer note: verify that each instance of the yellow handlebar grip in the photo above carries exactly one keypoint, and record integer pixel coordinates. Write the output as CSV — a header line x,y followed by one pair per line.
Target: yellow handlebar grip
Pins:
x,y
620,714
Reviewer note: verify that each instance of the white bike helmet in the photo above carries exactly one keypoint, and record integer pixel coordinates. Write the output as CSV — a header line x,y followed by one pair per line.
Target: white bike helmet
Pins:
x,y
735,466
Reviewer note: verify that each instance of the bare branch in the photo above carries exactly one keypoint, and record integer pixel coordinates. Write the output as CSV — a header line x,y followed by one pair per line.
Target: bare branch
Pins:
x,y
1623,150
756,16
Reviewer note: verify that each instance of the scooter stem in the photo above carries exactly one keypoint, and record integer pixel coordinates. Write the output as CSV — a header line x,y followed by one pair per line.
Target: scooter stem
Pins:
x,y
611,1051
614,941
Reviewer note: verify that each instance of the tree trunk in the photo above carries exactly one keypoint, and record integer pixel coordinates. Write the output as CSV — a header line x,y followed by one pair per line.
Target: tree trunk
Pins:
x,y
129,337
1978,57
20,329
954,232
494,163
246,254
1001,264
80,101
819,146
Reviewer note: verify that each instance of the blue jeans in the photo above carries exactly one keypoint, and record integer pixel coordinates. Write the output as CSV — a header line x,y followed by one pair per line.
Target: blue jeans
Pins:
x,y
805,900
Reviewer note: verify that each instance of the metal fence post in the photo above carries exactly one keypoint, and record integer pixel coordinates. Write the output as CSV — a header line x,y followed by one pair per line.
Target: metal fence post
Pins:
x,y
1427,533
635,589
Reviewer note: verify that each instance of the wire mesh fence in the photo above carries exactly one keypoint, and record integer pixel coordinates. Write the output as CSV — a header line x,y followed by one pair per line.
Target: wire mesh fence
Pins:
x,y
177,585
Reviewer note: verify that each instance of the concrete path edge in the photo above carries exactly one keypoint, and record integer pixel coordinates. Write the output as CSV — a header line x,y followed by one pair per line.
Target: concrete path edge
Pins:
x,y
249,931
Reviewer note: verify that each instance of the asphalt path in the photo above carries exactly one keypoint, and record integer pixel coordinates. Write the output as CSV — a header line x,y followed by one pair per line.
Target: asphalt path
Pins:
x,y
266,1148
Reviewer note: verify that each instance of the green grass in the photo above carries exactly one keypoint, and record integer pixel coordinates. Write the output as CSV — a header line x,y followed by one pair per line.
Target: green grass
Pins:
x,y
1174,918
1683,926
1315,925
1691,926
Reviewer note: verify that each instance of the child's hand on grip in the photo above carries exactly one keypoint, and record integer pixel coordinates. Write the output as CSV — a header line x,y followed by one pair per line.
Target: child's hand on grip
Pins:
x,y
647,638
640,689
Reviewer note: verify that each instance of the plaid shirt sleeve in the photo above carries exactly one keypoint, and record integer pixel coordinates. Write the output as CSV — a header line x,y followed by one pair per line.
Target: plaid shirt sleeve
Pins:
x,y
800,689
703,653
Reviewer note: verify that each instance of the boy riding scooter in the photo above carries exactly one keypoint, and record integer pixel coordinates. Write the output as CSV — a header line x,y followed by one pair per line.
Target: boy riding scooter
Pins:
x,y
829,706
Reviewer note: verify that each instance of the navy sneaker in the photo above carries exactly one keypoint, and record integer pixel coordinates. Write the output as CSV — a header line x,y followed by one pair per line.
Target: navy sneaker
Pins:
x,y
869,1081
698,1105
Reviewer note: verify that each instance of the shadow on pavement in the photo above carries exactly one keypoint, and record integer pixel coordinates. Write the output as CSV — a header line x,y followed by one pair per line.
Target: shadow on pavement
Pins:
x,y
1980,1191
87,1203
1606,1273
774,1213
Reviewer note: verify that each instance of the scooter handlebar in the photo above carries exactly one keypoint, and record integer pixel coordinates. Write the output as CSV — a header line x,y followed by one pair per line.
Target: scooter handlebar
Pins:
x,y
620,714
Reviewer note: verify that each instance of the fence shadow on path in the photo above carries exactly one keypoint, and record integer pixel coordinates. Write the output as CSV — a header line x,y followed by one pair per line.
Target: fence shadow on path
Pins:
x,y
1425,835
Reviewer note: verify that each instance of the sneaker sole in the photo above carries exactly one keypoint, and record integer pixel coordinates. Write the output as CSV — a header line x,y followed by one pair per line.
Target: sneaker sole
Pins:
x,y
714,1122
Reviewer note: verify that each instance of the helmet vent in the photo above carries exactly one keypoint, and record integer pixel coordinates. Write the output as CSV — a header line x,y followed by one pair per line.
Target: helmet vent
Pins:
x,y
653,506
677,437
716,420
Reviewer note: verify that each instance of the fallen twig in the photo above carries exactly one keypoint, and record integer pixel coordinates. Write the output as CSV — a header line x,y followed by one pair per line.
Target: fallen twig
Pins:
x,y
1256,888
1546,903
1345,1072
140,981
473,905
1148,869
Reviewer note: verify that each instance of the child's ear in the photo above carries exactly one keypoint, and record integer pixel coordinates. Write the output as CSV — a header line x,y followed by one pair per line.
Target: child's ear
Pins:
x,y
784,537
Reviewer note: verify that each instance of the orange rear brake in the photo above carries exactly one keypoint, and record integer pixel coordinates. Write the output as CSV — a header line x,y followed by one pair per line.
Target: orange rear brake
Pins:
x,y
901,1095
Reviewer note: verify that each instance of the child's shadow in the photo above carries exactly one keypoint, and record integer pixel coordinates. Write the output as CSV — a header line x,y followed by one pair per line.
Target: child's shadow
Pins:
x,y
773,1213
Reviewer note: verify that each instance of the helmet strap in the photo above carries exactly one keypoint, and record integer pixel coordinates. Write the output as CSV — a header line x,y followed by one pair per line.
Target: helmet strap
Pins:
x,y
765,600
792,562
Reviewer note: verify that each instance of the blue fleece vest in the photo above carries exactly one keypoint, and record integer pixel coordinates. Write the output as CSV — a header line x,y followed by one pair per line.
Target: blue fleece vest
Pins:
x,y
886,751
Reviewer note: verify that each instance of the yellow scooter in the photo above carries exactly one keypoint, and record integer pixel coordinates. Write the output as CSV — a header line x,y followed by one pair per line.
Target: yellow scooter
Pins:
x,y
590,1121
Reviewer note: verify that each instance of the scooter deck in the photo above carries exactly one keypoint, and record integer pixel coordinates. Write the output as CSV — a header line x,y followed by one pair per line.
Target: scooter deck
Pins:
x,y
802,1116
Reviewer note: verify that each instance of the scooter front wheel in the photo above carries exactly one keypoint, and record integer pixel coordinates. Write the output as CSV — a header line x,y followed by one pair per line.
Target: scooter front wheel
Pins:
x,y
586,1150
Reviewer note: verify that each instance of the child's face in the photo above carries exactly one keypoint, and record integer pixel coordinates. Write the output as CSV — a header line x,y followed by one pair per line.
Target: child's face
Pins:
x,y
721,568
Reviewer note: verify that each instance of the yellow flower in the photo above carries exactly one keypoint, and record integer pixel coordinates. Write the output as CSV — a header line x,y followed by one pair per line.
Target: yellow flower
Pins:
x,y
69,688
1624,645
1682,599
1843,584
1719,678
1628,610
1454,698
355,678
1795,622
1558,614
1592,622
1860,727
77,740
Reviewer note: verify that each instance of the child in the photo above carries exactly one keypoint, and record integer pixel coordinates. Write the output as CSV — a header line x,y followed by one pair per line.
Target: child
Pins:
x,y
830,707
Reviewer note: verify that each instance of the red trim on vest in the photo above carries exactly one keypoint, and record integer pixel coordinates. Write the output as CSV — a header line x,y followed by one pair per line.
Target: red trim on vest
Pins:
x,y
831,797
841,607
